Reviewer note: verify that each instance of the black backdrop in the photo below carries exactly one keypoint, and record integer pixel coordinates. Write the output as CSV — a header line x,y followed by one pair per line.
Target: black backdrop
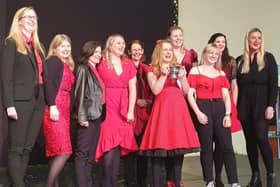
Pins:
x,y
147,20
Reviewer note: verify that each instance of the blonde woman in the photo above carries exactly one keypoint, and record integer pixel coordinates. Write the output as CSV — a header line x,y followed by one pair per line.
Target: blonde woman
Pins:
x,y
116,137
23,79
212,107
56,121
257,80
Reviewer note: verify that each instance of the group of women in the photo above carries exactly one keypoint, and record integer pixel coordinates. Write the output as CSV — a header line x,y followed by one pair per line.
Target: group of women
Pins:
x,y
151,113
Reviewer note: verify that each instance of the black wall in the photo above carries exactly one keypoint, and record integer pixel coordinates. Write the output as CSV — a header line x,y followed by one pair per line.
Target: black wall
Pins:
x,y
147,20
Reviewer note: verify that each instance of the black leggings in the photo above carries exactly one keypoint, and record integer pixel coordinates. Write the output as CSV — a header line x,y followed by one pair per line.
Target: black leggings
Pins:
x,y
111,164
158,163
256,135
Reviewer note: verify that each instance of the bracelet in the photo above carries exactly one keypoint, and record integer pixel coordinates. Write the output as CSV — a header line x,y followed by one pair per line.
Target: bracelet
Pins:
x,y
228,114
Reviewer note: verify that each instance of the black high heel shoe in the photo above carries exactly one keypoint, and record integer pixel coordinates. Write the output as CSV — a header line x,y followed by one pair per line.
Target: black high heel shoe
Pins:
x,y
255,180
219,183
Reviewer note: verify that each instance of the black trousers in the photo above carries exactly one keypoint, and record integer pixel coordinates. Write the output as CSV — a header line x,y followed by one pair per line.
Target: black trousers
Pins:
x,y
215,110
256,136
22,134
87,139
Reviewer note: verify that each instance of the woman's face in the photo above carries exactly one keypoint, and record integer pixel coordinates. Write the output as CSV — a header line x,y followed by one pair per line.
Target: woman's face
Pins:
x,y
166,52
255,41
220,42
212,56
177,38
118,46
28,21
63,51
136,52
96,56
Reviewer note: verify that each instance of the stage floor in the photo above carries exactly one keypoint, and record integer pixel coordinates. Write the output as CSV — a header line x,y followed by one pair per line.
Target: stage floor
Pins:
x,y
192,174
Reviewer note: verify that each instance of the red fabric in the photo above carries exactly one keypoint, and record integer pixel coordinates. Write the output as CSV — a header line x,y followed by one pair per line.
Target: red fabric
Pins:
x,y
57,133
206,87
115,131
29,45
170,126
101,83
189,58
142,113
235,123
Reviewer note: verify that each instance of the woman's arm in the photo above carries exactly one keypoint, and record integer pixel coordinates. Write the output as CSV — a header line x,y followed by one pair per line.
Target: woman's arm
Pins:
x,y
131,99
227,115
234,90
157,84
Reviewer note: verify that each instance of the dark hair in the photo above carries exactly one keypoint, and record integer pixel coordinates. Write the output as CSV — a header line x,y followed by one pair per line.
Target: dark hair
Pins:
x,y
135,42
88,50
226,58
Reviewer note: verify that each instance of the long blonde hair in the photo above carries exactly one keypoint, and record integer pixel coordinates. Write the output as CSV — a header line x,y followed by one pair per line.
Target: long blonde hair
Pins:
x,y
245,60
57,41
16,34
109,43
157,60
208,48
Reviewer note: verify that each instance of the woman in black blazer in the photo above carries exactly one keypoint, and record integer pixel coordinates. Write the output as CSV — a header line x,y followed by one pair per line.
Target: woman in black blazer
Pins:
x,y
257,81
23,76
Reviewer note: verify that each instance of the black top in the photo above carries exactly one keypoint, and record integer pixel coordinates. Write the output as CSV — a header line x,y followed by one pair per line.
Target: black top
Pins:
x,y
257,89
55,71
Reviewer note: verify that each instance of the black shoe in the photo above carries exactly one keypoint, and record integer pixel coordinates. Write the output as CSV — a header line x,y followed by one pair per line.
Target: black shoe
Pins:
x,y
271,180
255,180
219,183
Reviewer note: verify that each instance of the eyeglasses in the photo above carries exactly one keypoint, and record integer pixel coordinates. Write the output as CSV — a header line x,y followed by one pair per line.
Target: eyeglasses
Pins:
x,y
29,17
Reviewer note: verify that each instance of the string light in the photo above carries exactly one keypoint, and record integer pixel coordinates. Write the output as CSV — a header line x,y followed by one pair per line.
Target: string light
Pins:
x,y
175,7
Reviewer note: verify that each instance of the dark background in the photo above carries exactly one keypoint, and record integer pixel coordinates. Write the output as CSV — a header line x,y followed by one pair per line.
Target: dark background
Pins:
x,y
147,20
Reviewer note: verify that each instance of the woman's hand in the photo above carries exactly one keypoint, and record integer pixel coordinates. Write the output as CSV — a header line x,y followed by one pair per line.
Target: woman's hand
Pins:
x,y
54,113
164,69
182,73
84,124
130,117
12,113
202,118
142,102
227,121
269,112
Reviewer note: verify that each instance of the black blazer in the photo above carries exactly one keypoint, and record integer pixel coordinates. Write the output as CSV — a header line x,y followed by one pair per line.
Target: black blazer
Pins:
x,y
19,74
257,89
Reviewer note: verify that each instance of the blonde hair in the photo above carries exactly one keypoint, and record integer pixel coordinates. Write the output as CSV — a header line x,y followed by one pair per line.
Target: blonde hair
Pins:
x,y
245,60
157,60
16,34
55,43
109,43
208,48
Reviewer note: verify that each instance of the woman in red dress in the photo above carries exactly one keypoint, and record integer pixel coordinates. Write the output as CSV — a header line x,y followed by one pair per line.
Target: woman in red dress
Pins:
x,y
116,137
170,132
56,120
210,100
229,66
188,59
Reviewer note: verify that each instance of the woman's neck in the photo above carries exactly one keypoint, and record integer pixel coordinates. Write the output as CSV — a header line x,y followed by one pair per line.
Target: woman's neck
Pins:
x,y
137,62
27,34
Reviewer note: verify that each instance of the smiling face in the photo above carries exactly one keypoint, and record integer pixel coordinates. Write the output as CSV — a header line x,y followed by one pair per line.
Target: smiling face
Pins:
x,y
137,52
176,37
28,21
96,56
220,42
166,52
255,41
211,56
63,51
117,46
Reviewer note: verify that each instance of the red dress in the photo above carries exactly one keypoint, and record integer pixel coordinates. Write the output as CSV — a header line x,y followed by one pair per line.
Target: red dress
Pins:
x,y
230,70
57,133
170,130
115,131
